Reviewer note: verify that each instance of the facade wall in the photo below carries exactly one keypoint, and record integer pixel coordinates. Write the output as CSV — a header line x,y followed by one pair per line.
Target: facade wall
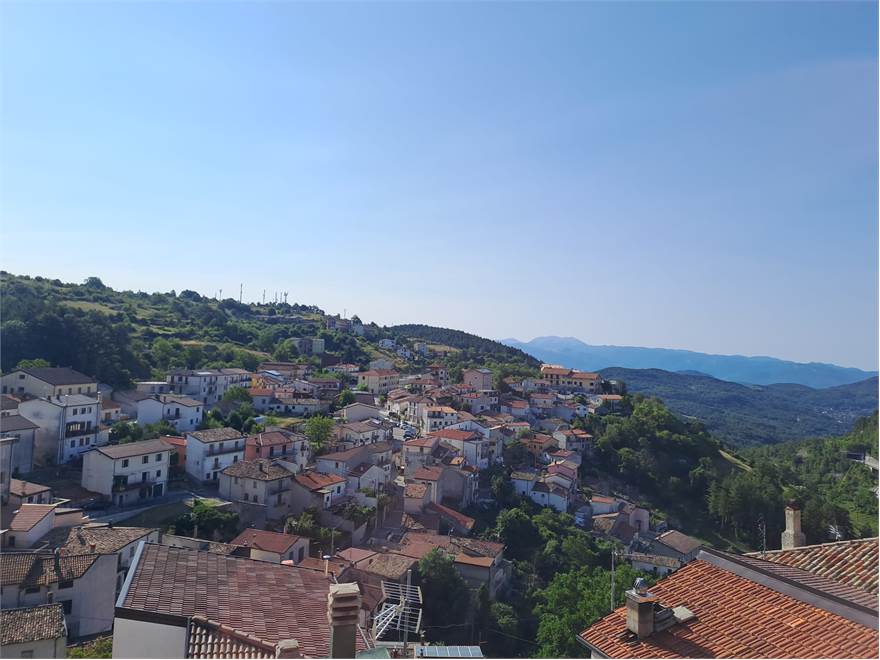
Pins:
x,y
204,466
44,648
145,639
18,382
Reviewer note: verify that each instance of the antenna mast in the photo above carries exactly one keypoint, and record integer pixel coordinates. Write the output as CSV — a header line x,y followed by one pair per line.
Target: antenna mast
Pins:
x,y
240,290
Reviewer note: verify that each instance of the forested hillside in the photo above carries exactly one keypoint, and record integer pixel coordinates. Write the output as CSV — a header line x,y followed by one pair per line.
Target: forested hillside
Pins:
x,y
471,345
754,414
123,335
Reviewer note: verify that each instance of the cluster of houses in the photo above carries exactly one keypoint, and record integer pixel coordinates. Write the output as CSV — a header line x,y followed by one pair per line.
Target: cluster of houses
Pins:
x,y
410,450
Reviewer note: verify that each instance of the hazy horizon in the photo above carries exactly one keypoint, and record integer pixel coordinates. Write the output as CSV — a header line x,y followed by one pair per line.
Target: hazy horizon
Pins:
x,y
688,176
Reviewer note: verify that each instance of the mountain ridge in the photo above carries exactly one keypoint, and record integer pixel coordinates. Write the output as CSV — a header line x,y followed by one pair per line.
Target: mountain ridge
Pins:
x,y
758,369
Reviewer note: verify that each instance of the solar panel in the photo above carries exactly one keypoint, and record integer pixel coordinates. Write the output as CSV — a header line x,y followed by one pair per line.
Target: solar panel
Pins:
x,y
450,652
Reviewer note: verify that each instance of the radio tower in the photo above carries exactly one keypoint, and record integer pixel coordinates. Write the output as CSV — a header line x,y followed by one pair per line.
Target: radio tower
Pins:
x,y
240,290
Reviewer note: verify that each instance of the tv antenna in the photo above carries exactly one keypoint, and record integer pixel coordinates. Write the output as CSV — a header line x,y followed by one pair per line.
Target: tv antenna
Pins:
x,y
401,610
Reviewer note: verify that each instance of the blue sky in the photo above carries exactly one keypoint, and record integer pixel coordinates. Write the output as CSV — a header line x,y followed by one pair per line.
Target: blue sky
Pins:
x,y
699,176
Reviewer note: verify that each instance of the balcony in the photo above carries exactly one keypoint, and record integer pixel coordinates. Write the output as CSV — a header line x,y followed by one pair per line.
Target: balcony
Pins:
x,y
121,486
76,433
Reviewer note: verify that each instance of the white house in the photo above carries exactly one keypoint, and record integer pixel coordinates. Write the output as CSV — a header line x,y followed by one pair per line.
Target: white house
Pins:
x,y
261,483
207,385
23,431
128,473
358,412
68,426
182,412
84,586
435,418
43,382
211,451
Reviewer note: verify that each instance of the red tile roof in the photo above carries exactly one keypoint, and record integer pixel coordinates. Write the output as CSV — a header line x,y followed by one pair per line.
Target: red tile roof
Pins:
x,y
734,617
851,562
463,521
32,624
422,442
209,639
29,516
262,539
268,601
455,434
318,480
415,490
428,473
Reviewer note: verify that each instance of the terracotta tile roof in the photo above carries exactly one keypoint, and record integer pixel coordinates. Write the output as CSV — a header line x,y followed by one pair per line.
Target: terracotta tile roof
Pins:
x,y
678,541
456,434
107,540
261,469
356,555
216,435
428,473
130,449
32,624
268,601
484,562
428,441
378,447
29,516
261,391
26,488
378,372
460,519
388,565
415,490
274,438
317,480
28,569
209,639
734,617
852,562
342,456
262,539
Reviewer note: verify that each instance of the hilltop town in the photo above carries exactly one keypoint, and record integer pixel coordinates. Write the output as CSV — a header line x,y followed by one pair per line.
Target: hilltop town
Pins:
x,y
412,492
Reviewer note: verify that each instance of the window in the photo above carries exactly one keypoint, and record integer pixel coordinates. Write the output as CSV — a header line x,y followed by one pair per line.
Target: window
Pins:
x,y
67,605
27,654
72,444
235,459
145,459
32,590
124,462
236,479
158,473
207,476
65,584
144,476
255,498
158,458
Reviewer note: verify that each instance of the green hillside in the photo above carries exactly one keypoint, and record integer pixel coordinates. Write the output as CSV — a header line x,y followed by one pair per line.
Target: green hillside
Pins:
x,y
744,415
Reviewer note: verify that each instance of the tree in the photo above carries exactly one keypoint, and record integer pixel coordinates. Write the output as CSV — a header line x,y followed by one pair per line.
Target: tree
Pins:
x,y
35,363
286,350
575,600
207,522
345,398
518,533
94,283
237,395
446,596
318,430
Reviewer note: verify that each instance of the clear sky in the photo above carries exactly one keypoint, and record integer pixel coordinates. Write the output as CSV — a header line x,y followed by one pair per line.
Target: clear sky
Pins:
x,y
699,176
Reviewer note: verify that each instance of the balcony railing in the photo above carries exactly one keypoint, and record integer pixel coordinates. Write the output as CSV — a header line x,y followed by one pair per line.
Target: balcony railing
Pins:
x,y
216,451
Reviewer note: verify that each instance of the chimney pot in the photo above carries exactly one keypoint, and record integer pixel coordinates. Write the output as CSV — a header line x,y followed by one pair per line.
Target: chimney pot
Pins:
x,y
343,610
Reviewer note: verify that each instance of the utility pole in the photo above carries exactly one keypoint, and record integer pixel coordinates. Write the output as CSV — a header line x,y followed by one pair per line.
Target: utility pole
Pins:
x,y
613,553
406,628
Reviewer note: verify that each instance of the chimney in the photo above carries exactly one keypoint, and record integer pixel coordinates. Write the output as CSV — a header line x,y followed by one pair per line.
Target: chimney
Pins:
x,y
287,648
93,547
640,610
343,610
793,537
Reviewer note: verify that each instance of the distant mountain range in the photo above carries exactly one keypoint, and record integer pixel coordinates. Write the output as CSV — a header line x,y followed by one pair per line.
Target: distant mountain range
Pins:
x,y
755,414
574,353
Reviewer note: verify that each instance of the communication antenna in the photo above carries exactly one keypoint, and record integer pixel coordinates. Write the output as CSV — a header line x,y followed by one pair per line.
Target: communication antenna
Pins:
x,y
240,290
285,297
401,610
264,296
221,294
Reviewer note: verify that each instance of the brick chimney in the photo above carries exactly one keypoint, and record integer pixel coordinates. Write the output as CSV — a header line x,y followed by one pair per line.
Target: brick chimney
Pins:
x,y
640,610
343,610
793,537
